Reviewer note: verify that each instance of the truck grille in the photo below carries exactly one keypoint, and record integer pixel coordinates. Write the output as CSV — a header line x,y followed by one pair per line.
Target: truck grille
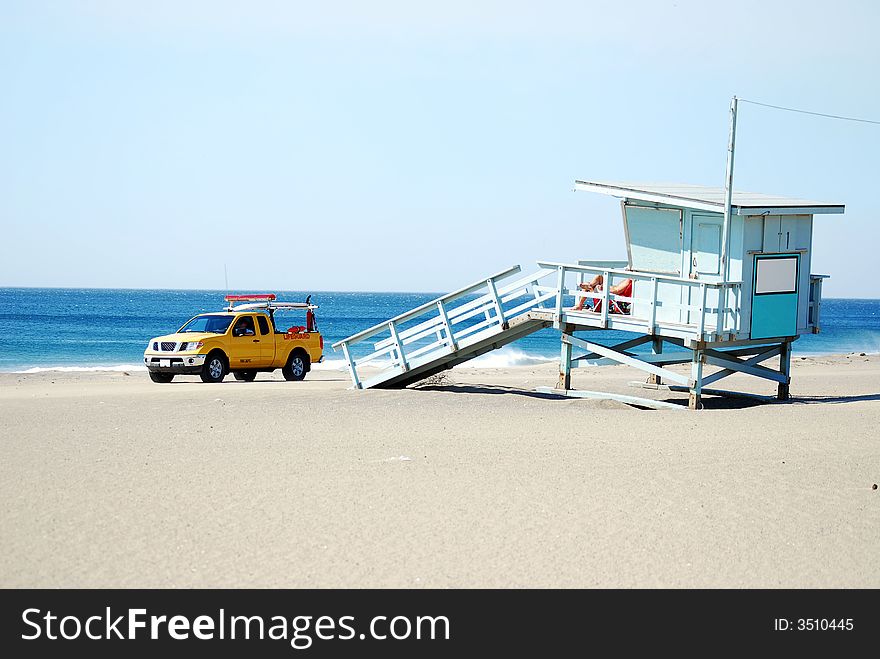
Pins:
x,y
168,346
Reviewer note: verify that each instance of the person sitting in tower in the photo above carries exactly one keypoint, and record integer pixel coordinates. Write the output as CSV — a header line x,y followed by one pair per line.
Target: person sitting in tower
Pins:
x,y
624,289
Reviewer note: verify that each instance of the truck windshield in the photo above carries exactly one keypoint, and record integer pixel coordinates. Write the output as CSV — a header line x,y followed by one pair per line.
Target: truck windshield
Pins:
x,y
213,324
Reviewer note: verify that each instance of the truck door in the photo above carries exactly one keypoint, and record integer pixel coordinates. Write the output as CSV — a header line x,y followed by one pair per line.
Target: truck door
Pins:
x,y
244,344
267,340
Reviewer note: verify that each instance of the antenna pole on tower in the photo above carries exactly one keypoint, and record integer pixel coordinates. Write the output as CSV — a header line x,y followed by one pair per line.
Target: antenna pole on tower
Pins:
x,y
728,193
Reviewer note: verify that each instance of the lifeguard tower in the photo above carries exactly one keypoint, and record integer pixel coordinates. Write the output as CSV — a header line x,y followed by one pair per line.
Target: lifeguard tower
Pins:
x,y
728,290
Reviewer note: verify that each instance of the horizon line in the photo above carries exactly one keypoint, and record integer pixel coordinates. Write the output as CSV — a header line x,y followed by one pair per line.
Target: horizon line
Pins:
x,y
311,291
228,291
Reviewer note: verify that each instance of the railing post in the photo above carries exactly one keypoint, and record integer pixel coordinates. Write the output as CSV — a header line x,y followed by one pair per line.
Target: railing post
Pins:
x,y
446,325
606,286
560,284
496,301
722,306
737,317
653,323
398,345
352,369
701,328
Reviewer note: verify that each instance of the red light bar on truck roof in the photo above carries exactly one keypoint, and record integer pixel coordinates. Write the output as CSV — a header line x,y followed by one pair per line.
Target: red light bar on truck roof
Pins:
x,y
261,297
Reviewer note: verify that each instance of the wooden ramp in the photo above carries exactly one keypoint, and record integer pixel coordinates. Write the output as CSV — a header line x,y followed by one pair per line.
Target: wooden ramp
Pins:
x,y
423,368
450,330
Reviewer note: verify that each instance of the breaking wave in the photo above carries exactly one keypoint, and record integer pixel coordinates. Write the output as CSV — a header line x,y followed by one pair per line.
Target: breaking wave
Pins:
x,y
83,369
505,358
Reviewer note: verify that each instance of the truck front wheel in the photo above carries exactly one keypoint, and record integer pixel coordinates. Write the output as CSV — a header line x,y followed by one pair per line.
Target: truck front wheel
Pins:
x,y
214,369
297,366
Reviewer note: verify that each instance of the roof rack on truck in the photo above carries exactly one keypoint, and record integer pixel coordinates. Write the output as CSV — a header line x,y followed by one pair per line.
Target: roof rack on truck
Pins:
x,y
264,301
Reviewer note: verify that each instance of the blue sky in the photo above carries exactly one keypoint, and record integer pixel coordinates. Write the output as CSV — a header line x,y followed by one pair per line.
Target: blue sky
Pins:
x,y
410,146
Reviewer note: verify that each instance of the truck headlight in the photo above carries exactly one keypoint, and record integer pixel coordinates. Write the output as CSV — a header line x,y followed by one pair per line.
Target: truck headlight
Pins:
x,y
192,345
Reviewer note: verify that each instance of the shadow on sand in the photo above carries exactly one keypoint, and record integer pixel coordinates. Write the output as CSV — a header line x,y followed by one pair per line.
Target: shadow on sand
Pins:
x,y
489,389
835,400
710,402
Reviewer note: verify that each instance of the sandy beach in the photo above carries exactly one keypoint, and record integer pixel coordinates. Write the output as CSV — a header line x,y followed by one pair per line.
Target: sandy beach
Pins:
x,y
109,480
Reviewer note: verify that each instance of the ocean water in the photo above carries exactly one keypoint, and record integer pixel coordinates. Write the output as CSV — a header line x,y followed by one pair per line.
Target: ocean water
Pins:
x,y
58,328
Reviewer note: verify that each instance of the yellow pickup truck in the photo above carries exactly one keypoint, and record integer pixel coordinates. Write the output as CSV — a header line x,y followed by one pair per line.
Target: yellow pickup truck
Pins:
x,y
243,340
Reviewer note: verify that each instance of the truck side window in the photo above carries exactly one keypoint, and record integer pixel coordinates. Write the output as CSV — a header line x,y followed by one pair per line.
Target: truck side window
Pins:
x,y
264,325
244,326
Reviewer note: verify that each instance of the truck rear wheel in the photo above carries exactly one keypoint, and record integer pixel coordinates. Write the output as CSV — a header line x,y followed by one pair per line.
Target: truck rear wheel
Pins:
x,y
244,376
297,366
214,369
161,378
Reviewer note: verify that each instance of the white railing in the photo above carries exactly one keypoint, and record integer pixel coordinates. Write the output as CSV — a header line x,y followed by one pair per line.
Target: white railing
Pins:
x,y
471,314
707,310
447,324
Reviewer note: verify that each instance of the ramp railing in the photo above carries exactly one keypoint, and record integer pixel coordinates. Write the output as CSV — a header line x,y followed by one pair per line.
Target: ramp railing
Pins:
x,y
445,325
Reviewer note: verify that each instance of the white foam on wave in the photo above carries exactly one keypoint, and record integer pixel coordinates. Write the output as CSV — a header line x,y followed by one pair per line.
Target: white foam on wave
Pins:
x,y
83,369
505,358
326,365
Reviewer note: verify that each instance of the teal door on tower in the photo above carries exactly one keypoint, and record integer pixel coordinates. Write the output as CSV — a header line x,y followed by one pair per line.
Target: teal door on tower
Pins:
x,y
775,295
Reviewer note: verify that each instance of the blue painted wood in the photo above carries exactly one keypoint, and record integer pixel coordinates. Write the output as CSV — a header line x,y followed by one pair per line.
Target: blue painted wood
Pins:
x,y
706,246
654,236
774,314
